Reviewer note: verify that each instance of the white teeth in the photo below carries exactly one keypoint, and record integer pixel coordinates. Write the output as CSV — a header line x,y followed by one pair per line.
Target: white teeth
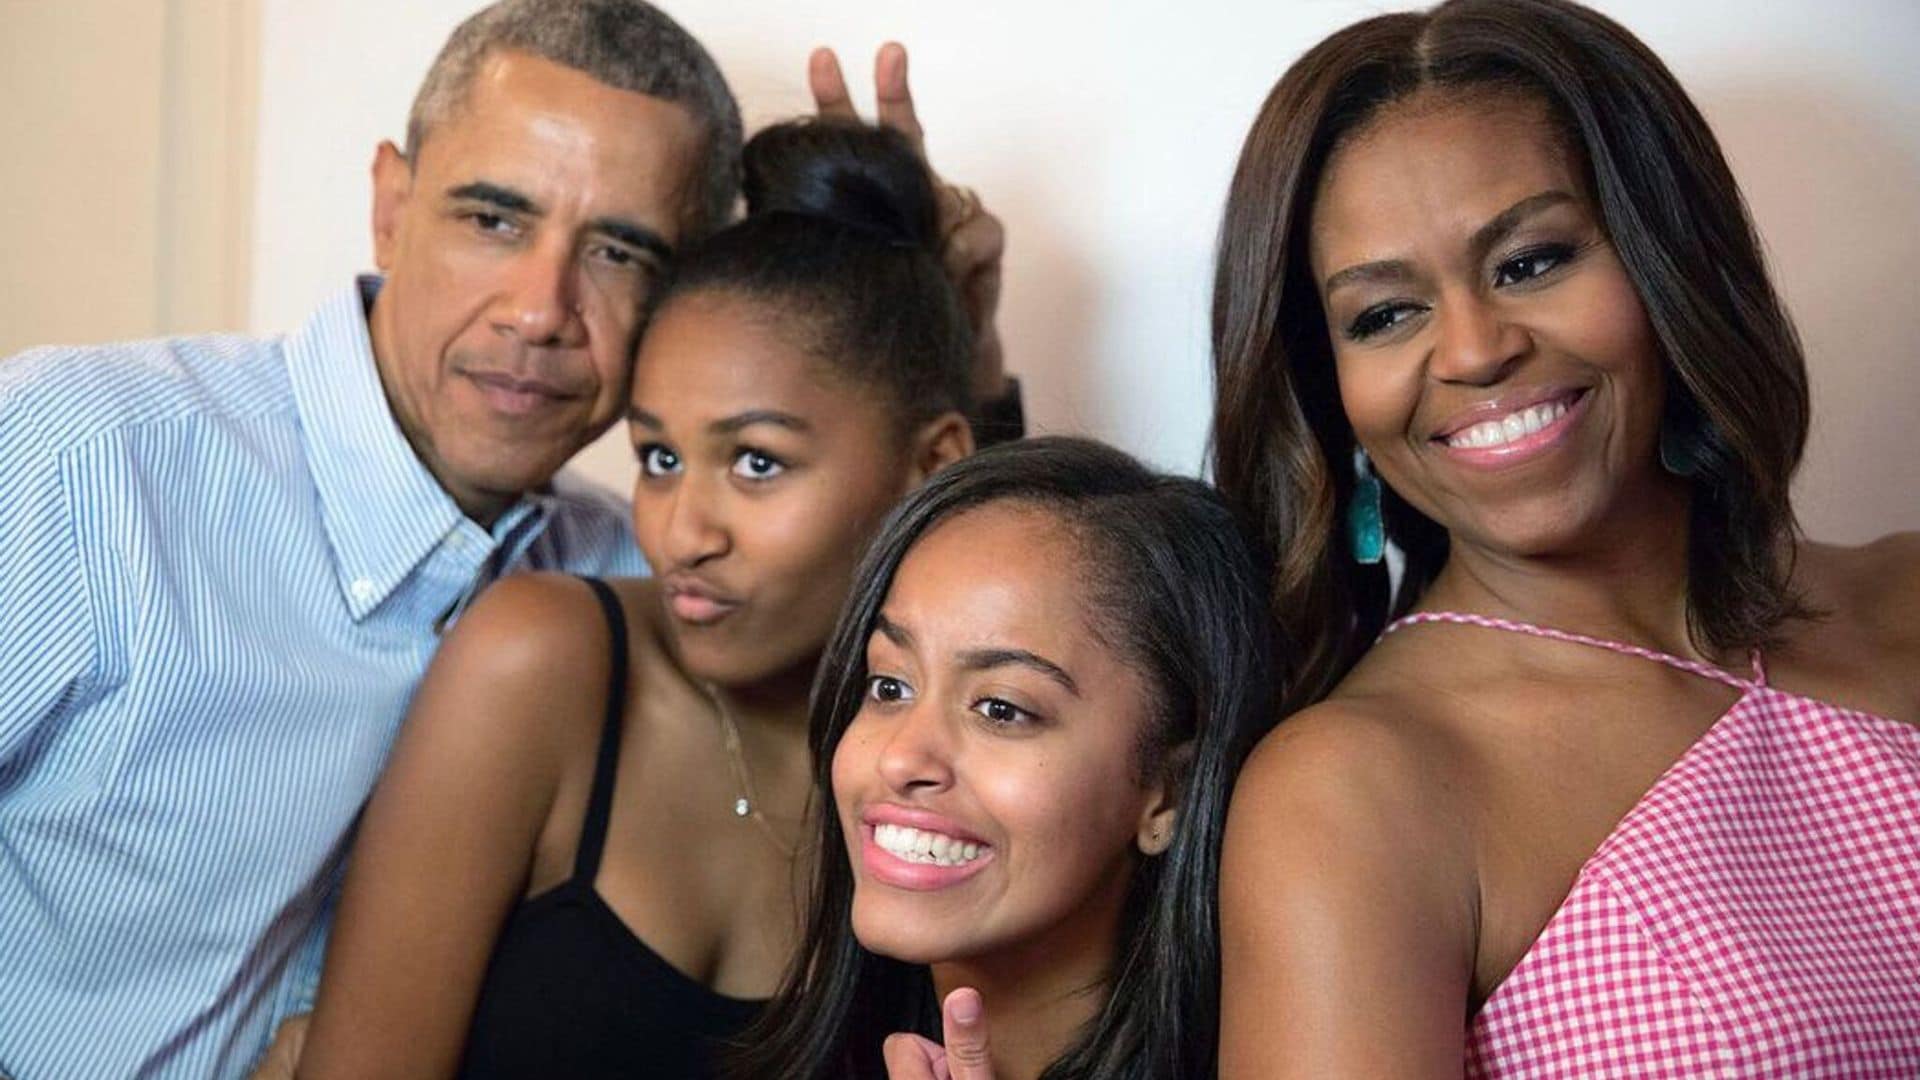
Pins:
x,y
920,845
1510,428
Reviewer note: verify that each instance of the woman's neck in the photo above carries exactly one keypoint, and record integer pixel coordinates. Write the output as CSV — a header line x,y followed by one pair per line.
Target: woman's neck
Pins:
x,y
1627,582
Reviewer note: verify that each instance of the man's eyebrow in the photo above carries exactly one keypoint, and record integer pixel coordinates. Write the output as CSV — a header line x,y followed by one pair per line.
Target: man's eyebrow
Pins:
x,y
631,233
985,659
644,418
635,235
495,195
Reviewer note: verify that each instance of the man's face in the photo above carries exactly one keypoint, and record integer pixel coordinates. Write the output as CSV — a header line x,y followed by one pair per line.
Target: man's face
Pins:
x,y
520,246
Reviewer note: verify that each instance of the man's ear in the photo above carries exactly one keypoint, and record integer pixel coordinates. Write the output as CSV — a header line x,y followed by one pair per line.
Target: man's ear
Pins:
x,y
1162,815
937,444
392,186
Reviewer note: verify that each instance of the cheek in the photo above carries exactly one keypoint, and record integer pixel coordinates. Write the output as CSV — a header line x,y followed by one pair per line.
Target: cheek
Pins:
x,y
1065,822
853,763
802,536
1379,391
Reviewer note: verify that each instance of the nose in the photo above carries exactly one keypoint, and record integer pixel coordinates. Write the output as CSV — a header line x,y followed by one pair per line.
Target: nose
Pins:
x,y
540,303
1476,344
916,755
695,530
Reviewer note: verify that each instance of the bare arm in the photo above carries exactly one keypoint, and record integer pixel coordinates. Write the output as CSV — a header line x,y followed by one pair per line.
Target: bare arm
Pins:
x,y
1346,909
446,843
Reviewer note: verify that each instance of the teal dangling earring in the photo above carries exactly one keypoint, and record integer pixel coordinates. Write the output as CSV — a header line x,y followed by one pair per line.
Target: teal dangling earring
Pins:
x,y
1366,527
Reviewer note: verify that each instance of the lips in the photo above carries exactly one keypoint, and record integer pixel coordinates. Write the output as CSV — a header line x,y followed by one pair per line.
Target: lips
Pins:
x,y
516,395
1517,427
918,850
694,601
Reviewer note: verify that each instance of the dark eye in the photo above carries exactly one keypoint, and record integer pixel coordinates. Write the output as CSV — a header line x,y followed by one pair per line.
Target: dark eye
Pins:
x,y
752,464
1380,318
615,255
887,689
1002,713
488,222
1531,264
657,460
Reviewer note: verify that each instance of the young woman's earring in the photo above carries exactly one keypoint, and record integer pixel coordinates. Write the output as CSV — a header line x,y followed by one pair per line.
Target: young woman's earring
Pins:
x,y
1366,527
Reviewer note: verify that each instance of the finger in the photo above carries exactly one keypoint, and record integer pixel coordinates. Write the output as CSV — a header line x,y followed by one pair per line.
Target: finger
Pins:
x,y
973,247
964,1027
829,86
910,1057
894,100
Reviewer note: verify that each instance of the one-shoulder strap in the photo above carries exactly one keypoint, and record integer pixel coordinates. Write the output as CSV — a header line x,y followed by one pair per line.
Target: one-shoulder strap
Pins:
x,y
593,833
1489,622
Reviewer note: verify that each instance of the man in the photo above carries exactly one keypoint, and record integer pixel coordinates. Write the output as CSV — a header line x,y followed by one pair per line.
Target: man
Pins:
x,y
224,562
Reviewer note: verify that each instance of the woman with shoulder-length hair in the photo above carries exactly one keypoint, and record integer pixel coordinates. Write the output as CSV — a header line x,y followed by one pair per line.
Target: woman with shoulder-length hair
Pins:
x,y
1025,730
1622,775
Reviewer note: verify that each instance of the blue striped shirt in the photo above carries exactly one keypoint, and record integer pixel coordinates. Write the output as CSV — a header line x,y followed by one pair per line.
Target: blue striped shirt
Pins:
x,y
221,570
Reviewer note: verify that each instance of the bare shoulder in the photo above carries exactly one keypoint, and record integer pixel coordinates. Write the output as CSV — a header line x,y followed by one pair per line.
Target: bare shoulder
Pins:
x,y
1346,878
1873,590
1368,763
531,653
1860,647
1877,583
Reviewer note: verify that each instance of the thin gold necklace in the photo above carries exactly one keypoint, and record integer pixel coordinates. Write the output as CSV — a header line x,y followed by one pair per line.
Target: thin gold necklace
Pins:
x,y
747,803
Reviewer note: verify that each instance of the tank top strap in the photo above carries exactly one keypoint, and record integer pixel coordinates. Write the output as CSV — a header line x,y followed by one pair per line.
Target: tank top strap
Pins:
x,y
1491,623
593,832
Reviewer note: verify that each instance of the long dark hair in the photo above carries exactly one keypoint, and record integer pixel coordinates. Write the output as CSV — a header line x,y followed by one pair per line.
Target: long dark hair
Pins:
x,y
1178,588
1737,386
841,238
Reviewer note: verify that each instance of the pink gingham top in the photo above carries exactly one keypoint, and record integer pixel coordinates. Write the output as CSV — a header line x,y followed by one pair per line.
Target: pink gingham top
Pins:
x,y
1757,913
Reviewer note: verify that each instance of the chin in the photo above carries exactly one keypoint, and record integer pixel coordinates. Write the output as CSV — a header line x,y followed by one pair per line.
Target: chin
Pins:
x,y
898,935
716,654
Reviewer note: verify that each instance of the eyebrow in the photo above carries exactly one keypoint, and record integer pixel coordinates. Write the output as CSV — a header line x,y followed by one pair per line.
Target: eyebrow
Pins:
x,y
985,659
630,233
1483,240
729,425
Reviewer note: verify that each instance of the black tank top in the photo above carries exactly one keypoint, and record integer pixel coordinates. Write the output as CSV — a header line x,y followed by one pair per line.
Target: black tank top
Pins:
x,y
571,991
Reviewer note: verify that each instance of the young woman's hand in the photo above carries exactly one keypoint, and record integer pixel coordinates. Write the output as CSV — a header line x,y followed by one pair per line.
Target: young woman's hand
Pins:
x,y
973,238
964,1056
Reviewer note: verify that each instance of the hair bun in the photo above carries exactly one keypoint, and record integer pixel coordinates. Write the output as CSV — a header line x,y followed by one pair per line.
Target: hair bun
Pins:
x,y
856,175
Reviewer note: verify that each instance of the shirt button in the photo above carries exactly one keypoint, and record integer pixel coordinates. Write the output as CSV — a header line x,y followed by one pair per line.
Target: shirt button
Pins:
x,y
362,590
457,541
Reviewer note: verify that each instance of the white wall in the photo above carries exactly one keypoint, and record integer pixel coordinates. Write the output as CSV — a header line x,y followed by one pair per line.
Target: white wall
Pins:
x,y
1104,134
128,139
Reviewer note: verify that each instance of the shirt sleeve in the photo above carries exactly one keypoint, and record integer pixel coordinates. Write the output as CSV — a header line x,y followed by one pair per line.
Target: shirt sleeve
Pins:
x,y
46,644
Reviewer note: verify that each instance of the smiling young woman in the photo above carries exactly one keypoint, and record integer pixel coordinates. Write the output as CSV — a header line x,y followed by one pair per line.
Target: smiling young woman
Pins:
x,y
1027,723
1621,776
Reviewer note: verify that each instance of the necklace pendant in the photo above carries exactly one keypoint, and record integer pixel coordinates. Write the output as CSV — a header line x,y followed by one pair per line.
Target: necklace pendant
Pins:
x,y
741,807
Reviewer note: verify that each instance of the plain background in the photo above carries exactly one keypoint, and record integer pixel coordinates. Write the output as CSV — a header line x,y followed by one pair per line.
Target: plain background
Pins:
x,y
1103,133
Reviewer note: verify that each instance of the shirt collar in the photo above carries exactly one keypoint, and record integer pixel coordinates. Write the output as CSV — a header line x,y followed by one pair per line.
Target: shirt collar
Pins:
x,y
383,510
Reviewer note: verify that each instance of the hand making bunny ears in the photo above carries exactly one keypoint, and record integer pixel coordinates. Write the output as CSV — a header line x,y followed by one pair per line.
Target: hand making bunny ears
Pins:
x,y
975,238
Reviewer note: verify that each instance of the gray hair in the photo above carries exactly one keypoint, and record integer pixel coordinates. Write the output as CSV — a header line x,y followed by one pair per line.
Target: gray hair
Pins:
x,y
627,44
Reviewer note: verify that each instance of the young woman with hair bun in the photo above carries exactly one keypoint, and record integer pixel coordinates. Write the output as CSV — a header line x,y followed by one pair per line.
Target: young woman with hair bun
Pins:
x,y
587,856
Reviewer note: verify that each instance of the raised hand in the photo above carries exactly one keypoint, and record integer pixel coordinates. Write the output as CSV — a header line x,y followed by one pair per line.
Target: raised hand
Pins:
x,y
963,1056
974,239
